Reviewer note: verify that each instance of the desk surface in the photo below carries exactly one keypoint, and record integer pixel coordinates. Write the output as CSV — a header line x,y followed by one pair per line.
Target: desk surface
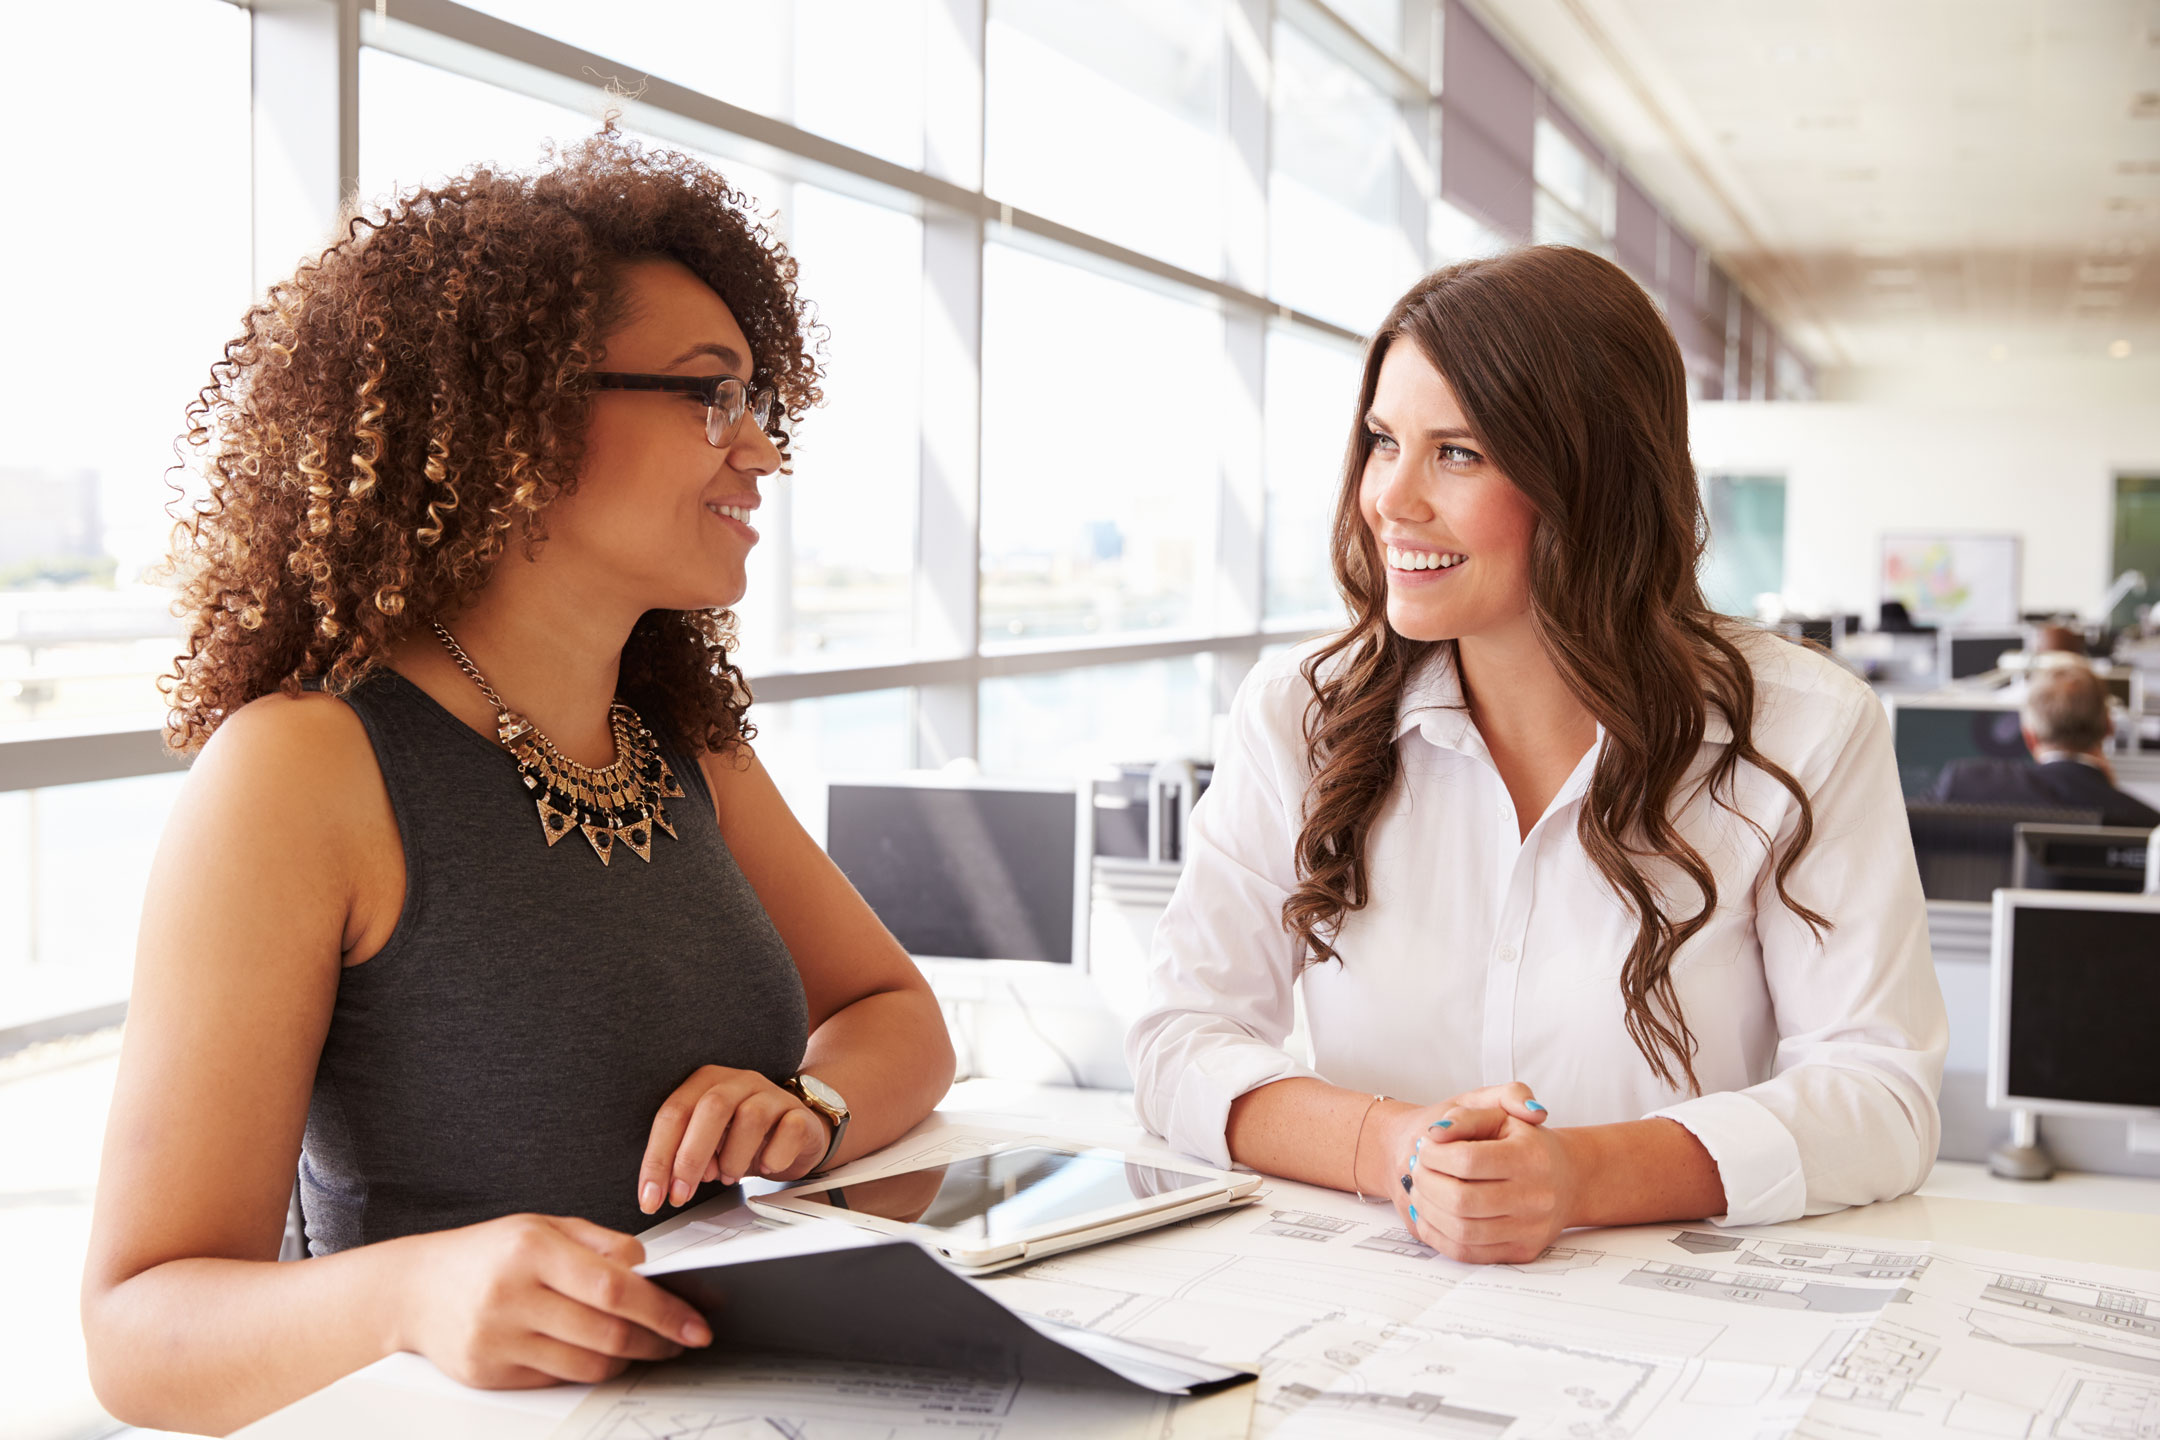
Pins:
x,y
2072,1217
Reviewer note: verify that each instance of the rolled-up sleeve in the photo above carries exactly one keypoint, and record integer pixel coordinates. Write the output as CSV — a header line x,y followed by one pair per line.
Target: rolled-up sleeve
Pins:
x,y
1222,969
1850,1112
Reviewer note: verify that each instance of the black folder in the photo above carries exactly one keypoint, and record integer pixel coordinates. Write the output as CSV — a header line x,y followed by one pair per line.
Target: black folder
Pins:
x,y
896,1304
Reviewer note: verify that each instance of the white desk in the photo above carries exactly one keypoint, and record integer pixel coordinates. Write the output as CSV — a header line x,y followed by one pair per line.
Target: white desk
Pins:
x,y
2073,1217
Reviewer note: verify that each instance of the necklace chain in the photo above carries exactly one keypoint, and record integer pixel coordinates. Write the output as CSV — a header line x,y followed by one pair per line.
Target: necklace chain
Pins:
x,y
464,662
621,800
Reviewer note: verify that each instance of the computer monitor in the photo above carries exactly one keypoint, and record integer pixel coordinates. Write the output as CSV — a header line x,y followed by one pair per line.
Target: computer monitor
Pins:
x,y
1966,852
1966,653
2126,687
969,869
1929,736
2108,858
2076,990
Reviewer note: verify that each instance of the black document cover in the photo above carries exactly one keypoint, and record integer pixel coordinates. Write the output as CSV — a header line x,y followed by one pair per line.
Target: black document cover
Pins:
x,y
895,1304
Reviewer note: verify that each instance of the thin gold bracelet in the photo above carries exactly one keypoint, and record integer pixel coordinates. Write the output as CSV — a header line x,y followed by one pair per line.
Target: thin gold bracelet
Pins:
x,y
1357,1146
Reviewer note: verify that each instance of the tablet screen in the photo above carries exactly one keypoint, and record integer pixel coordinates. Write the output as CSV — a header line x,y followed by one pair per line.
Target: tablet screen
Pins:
x,y
995,1198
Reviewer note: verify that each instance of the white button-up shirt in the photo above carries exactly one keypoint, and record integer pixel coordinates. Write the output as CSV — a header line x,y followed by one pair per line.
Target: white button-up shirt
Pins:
x,y
1486,955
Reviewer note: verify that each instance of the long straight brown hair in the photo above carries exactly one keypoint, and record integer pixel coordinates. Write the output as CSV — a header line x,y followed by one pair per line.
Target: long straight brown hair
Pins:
x,y
1575,389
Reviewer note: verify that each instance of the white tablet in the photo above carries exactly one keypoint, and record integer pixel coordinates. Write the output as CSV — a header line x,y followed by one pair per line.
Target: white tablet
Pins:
x,y
1015,1203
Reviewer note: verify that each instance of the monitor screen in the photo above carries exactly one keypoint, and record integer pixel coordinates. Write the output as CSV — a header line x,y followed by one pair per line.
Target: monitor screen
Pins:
x,y
2118,686
975,873
2084,994
2104,858
1930,737
1977,654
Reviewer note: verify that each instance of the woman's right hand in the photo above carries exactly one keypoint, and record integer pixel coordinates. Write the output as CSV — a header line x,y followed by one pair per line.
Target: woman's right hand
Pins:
x,y
529,1300
1396,1136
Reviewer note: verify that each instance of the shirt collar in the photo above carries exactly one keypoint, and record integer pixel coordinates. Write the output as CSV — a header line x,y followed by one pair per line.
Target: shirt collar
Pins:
x,y
1432,704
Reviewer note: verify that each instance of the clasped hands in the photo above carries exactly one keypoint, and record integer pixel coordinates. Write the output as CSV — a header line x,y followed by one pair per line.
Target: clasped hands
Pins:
x,y
1481,1178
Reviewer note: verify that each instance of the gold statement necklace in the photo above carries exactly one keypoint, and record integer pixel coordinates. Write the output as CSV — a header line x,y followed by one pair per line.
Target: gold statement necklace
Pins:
x,y
622,801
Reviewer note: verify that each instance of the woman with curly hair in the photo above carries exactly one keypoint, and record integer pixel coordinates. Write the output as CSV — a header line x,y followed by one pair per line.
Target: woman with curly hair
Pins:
x,y
477,903
1540,829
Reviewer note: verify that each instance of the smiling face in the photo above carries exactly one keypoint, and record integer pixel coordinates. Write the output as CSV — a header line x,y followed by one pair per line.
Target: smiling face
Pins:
x,y
1453,533
660,516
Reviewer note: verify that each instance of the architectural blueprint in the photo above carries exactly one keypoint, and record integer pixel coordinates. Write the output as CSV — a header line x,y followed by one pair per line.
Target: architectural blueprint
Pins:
x,y
1666,1332
783,1399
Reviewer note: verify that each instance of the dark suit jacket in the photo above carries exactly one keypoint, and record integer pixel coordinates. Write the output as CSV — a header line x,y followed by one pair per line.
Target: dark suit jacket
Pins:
x,y
2057,785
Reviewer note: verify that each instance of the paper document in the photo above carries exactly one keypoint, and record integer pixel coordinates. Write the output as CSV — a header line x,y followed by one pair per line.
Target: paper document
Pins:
x,y
1661,1332
827,1289
772,1399
761,1242
1653,1332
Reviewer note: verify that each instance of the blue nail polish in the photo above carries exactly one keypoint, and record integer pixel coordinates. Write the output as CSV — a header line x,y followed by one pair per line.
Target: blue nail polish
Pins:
x,y
1441,1125
1413,1212
1533,1105
1406,1184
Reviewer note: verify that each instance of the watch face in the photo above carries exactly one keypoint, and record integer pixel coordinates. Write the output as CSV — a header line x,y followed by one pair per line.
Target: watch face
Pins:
x,y
821,1092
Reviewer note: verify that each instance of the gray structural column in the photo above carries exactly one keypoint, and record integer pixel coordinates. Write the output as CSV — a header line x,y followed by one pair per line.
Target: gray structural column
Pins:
x,y
305,85
949,511
1240,596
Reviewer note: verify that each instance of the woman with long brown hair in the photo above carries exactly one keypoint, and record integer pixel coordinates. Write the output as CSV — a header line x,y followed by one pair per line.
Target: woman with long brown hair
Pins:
x,y
1602,906
477,905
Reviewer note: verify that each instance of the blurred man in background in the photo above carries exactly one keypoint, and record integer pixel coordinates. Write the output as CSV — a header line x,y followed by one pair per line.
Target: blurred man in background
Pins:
x,y
2066,725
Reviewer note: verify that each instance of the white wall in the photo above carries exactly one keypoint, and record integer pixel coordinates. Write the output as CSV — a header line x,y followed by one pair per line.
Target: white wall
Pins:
x,y
1857,468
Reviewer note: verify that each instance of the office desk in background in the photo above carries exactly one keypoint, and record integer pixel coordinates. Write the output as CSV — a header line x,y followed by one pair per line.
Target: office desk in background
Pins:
x,y
2106,1219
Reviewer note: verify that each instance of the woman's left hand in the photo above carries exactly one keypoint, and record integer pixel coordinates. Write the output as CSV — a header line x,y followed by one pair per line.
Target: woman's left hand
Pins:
x,y
1488,1187
723,1124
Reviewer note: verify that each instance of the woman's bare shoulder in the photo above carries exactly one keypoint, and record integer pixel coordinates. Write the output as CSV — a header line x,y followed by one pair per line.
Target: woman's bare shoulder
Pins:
x,y
290,758
286,733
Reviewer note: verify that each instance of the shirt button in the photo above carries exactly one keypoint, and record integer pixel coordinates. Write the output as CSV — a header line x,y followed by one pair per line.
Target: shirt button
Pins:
x,y
1505,954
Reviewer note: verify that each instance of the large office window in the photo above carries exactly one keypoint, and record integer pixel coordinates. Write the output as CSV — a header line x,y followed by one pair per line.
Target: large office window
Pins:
x,y
1085,402
1380,21
1337,239
1574,199
1312,393
420,125
1100,457
1092,398
1066,723
73,862
126,248
1105,115
830,578
850,70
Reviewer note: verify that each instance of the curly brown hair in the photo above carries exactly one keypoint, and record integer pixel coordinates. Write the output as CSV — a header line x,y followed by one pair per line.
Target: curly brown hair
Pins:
x,y
407,404
1574,385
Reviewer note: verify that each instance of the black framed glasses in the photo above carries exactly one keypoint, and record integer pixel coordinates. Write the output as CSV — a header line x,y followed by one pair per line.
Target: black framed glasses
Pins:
x,y
726,398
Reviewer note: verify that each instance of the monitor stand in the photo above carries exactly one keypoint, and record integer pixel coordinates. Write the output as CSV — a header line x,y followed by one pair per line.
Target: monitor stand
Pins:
x,y
2023,1157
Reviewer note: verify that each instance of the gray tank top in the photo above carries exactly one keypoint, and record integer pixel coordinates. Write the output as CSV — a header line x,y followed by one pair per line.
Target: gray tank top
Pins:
x,y
507,1049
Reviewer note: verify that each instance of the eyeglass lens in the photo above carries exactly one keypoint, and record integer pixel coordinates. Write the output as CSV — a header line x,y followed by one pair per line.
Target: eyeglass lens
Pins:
x,y
726,412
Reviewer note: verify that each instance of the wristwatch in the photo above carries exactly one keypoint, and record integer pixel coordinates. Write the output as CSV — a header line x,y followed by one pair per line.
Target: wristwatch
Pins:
x,y
827,1104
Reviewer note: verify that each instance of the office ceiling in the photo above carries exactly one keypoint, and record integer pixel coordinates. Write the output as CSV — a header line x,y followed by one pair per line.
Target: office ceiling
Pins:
x,y
1894,180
